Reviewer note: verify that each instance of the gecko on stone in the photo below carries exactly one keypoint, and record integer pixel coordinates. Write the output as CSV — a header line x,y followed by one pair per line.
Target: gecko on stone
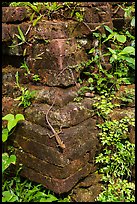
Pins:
x,y
59,141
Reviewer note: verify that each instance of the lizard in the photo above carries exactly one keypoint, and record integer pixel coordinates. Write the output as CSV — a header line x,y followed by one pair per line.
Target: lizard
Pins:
x,y
58,139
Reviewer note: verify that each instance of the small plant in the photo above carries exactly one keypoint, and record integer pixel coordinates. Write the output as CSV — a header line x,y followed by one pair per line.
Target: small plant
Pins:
x,y
79,17
116,160
121,57
85,89
26,95
36,20
126,97
17,189
21,37
35,6
114,36
52,7
118,191
103,105
130,13
77,99
25,66
36,77
12,122
16,4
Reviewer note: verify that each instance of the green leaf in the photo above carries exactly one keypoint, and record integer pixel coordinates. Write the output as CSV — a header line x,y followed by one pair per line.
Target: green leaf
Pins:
x,y
111,50
110,36
43,200
12,159
32,16
19,117
24,52
114,57
5,163
128,50
8,117
9,197
11,124
96,75
108,29
35,8
6,196
100,80
18,98
90,80
126,80
5,134
40,194
21,34
111,59
96,34
130,60
87,73
91,88
17,79
50,198
92,50
18,36
110,76
121,38
133,21
37,19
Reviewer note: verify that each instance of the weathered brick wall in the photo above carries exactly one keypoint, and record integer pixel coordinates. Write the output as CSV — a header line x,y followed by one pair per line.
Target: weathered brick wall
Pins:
x,y
61,42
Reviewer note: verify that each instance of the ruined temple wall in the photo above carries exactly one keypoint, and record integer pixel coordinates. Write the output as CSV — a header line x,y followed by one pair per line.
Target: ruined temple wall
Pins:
x,y
53,49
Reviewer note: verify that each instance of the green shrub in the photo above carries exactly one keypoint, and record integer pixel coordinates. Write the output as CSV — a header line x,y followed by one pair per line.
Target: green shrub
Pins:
x,y
118,191
116,160
12,122
17,189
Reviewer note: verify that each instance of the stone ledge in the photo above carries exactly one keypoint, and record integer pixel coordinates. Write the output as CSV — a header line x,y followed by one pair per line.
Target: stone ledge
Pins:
x,y
14,14
35,140
49,169
56,185
66,116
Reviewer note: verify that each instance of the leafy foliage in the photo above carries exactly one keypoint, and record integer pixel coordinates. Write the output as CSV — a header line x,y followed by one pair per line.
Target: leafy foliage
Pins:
x,y
130,13
116,160
103,105
25,66
7,160
17,189
19,36
12,122
118,153
121,57
118,191
117,157
127,97
26,95
35,77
